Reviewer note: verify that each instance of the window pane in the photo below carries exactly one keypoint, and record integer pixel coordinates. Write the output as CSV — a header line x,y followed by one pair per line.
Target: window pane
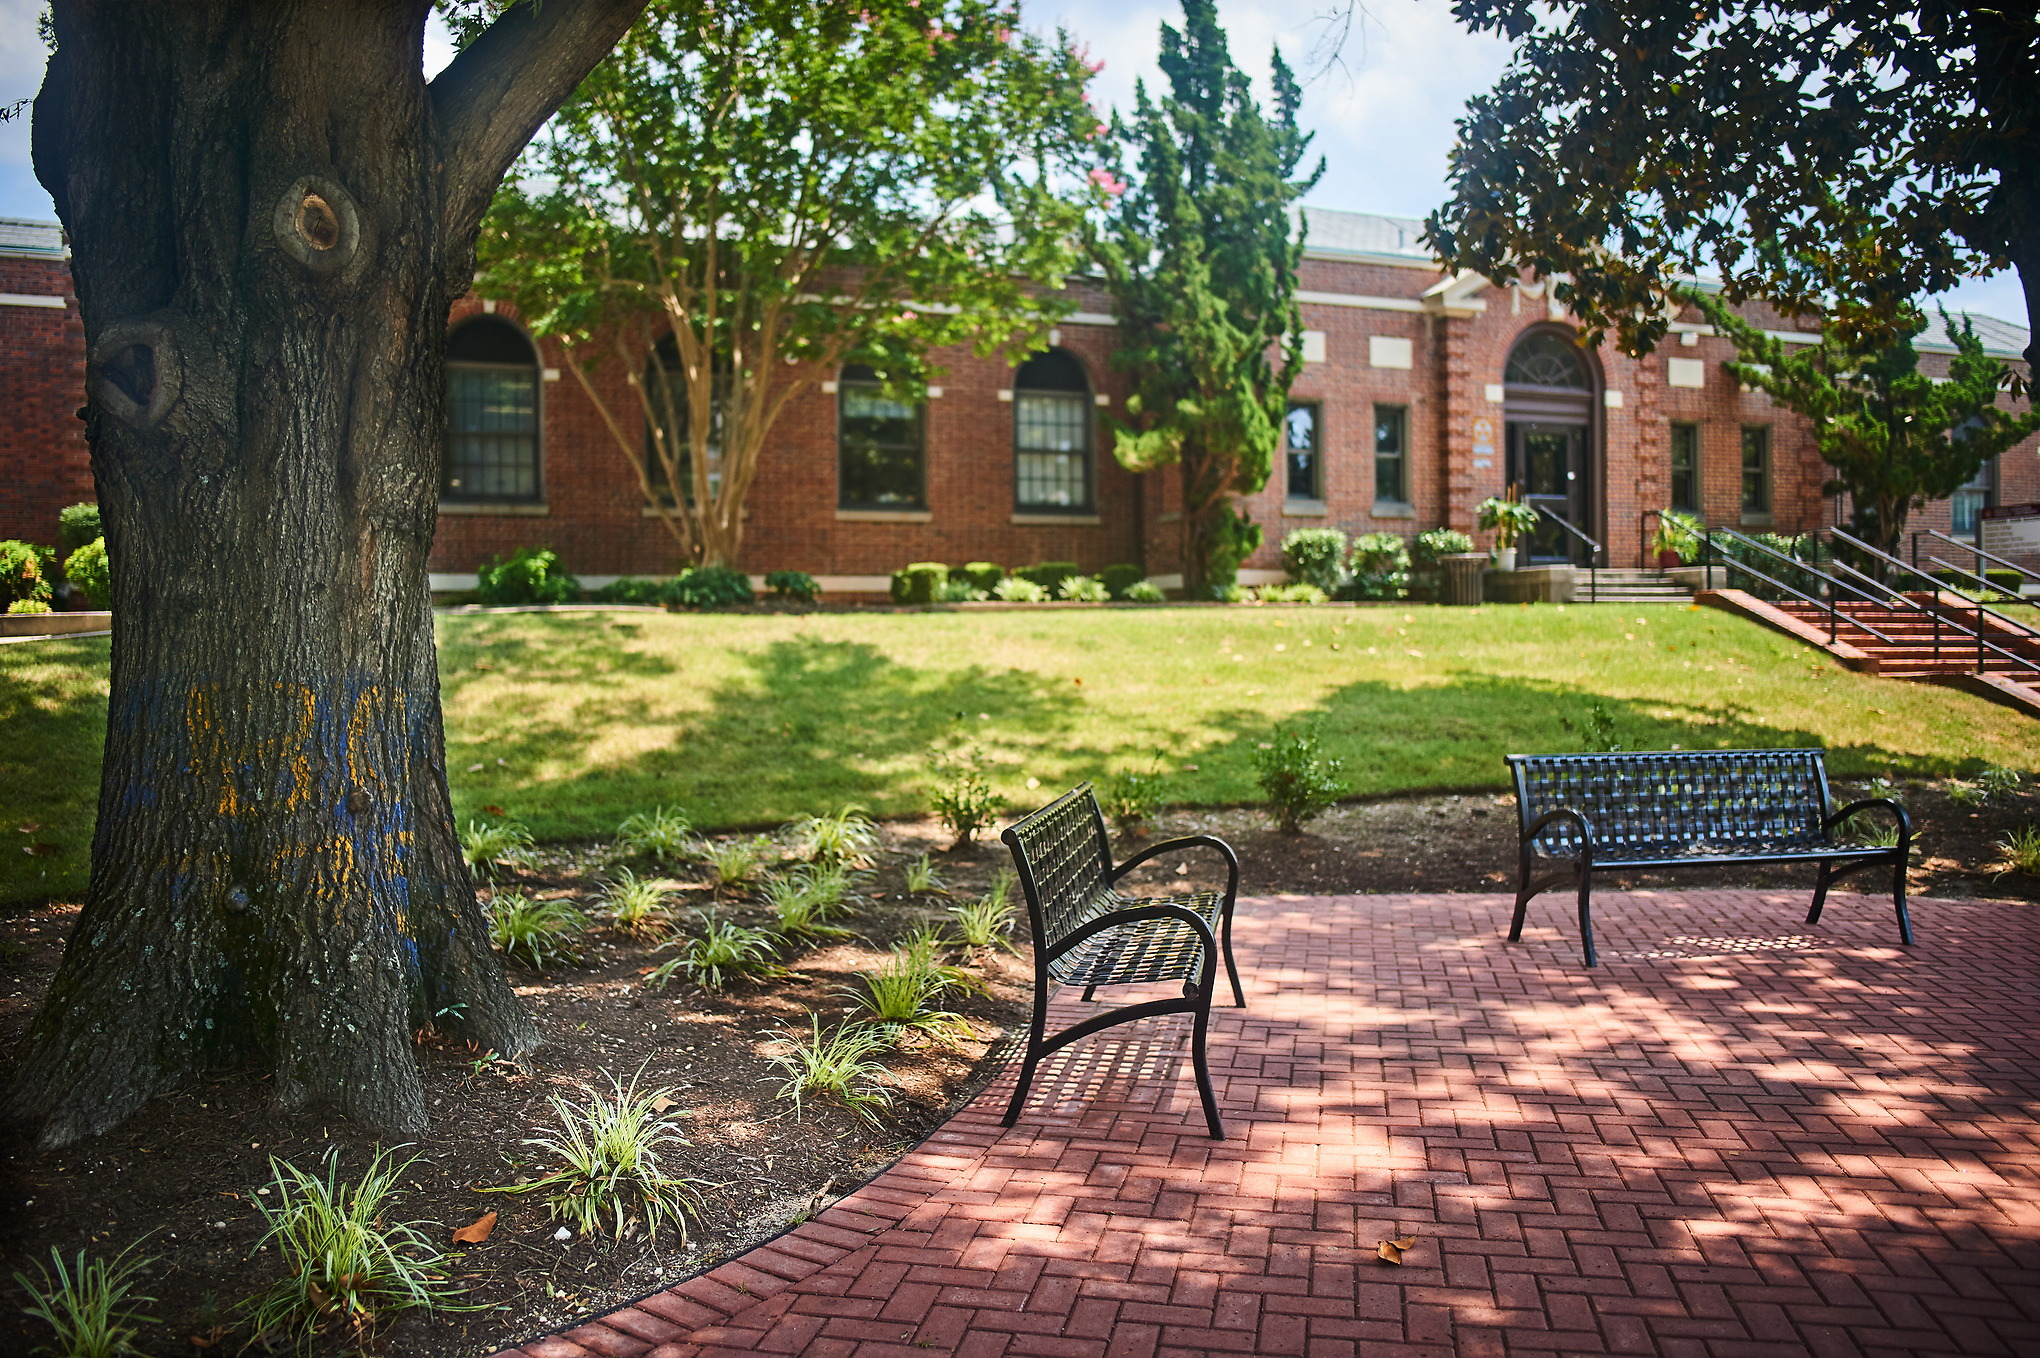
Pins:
x,y
880,451
1391,441
1686,468
1300,445
492,433
1756,470
1050,424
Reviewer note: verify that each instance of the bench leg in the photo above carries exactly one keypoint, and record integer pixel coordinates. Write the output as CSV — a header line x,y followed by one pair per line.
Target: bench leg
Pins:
x,y
1587,916
1036,1027
1523,894
1200,1064
1089,991
1820,891
1898,903
1232,968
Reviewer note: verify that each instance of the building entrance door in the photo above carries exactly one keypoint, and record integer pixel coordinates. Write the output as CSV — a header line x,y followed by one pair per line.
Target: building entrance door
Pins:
x,y
1548,463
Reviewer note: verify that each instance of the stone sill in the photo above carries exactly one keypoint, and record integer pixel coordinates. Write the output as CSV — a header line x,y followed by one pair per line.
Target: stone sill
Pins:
x,y
884,516
515,509
1048,520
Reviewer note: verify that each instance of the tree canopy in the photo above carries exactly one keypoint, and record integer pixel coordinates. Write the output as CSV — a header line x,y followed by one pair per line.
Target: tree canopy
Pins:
x,y
1200,253
1896,436
1846,158
763,192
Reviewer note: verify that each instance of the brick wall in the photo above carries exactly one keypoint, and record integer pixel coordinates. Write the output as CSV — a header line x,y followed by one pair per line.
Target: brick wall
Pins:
x,y
43,461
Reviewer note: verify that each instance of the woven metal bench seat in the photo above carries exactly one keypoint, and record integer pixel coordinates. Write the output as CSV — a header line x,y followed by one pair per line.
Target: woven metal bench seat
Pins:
x,y
1578,814
1086,932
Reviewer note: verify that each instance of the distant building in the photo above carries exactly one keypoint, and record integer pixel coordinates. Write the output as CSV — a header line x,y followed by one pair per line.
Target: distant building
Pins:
x,y
1421,395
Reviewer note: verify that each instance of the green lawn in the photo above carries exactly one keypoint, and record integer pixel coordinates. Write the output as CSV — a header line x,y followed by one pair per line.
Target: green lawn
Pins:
x,y
571,721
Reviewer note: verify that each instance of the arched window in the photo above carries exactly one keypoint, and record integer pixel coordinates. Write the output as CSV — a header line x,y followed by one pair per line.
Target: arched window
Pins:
x,y
880,460
666,387
492,413
1544,359
1052,435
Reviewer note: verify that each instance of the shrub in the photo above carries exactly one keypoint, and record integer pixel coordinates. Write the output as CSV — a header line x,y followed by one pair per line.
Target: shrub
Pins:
x,y
489,849
1425,549
918,582
724,951
1315,556
663,833
959,592
89,573
1084,589
984,575
637,905
1597,730
797,586
711,587
613,1172
1133,797
90,1306
1049,575
1014,590
536,933
347,1265
635,589
1231,593
845,835
1298,778
25,606
1121,578
837,1067
963,798
1298,593
1802,547
21,572
1380,566
1144,592
77,525
529,575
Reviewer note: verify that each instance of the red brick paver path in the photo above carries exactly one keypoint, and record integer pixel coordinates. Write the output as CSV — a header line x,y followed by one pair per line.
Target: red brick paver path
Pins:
x,y
1737,1137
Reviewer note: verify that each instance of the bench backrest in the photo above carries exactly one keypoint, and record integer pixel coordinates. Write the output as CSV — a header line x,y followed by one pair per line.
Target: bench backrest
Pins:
x,y
1062,854
1676,796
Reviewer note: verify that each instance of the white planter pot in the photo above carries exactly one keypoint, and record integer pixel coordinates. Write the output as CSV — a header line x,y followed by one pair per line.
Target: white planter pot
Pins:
x,y
1505,558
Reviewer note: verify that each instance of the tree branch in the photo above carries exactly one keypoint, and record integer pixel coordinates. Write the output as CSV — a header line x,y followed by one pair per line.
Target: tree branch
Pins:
x,y
504,85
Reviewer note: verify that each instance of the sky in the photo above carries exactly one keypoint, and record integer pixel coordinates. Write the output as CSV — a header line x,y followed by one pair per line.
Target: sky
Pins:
x,y
1382,113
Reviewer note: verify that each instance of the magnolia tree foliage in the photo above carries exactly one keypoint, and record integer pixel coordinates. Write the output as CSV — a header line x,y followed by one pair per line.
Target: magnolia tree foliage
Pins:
x,y
1895,436
1839,157
758,193
1200,253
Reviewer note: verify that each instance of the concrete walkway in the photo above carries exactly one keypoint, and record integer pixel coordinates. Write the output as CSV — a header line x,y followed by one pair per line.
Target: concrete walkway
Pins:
x,y
1736,1137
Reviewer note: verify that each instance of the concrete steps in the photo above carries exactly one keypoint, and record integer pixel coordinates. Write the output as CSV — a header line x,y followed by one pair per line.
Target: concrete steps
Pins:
x,y
1634,587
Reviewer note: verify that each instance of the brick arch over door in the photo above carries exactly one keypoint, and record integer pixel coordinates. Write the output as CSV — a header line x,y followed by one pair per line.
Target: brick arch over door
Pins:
x,y
1555,449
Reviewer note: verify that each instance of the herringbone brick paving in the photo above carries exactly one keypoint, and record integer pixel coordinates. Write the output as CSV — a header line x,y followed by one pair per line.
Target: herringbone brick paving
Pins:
x,y
1736,1137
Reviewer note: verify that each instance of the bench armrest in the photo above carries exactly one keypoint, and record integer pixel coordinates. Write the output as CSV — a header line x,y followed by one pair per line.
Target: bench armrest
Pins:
x,y
1112,919
1232,860
1828,823
1550,818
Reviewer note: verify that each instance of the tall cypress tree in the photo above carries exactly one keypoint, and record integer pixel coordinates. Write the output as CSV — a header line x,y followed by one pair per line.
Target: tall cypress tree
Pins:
x,y
1200,253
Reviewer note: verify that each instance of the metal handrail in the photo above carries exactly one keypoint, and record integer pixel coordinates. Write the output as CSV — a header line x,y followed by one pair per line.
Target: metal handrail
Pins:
x,y
1937,613
1710,552
1594,549
1971,547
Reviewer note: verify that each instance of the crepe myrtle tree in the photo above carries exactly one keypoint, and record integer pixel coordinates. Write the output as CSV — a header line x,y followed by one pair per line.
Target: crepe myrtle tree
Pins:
x,y
1841,158
742,197
1200,255
1895,436
270,210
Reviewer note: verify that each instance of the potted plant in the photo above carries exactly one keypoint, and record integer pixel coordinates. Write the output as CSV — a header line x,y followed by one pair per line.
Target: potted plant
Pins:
x,y
1509,519
1679,535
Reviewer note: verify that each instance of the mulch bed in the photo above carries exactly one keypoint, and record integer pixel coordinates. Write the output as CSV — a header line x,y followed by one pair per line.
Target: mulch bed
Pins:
x,y
188,1169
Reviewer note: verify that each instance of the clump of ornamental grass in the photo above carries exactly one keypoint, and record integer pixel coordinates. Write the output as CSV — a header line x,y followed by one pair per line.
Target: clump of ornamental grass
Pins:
x,y
91,1306
492,850
986,922
612,1177
837,1066
663,833
734,862
724,951
801,910
2021,849
536,933
901,995
845,836
637,905
348,1266
923,877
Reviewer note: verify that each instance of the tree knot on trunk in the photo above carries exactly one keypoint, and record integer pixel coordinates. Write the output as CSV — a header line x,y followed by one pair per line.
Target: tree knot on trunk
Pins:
x,y
318,225
136,370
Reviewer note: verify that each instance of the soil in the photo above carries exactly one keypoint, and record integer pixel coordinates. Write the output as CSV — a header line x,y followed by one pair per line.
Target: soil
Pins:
x,y
184,1177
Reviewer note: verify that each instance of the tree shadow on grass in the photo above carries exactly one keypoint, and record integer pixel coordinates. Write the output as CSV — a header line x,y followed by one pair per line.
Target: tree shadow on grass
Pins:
x,y
804,725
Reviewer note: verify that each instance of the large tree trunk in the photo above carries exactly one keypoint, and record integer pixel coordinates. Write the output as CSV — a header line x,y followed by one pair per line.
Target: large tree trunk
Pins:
x,y
270,212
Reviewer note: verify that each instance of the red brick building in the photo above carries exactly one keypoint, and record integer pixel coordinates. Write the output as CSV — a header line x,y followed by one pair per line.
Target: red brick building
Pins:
x,y
1421,395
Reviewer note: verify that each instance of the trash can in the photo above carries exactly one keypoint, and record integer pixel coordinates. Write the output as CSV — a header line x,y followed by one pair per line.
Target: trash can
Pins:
x,y
1463,573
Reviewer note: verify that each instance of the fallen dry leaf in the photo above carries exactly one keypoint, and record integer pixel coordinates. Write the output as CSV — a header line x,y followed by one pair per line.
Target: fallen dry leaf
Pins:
x,y
209,1338
40,849
476,1233
661,1104
492,810
1392,1251
29,827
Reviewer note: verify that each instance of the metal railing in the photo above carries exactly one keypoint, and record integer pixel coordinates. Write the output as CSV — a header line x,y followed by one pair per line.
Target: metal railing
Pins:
x,y
1594,549
1941,611
1827,599
1978,555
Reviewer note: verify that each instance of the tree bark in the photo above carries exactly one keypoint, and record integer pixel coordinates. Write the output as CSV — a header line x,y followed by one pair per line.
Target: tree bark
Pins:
x,y
270,212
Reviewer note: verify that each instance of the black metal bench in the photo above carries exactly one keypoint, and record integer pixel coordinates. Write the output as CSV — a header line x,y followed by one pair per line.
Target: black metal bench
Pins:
x,y
1588,813
1086,933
